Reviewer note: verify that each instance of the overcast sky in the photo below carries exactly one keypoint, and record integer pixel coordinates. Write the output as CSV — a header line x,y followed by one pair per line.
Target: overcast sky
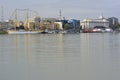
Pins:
x,y
77,9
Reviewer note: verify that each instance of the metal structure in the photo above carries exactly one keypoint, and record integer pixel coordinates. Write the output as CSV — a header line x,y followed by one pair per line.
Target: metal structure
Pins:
x,y
2,14
27,11
2,18
26,14
60,14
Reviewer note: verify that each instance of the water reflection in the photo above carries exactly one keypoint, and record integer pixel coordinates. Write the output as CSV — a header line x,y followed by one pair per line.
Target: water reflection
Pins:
x,y
60,57
38,48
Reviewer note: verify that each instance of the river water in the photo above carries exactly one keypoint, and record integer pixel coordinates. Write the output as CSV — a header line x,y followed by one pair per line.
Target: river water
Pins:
x,y
84,56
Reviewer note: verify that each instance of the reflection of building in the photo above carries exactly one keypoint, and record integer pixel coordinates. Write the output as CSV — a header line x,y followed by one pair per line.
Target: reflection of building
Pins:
x,y
91,23
113,22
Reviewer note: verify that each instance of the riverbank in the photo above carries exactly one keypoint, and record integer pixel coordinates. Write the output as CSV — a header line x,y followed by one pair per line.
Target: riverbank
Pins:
x,y
3,32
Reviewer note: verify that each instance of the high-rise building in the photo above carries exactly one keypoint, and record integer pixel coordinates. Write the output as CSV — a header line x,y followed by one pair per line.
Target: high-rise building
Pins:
x,y
74,23
113,21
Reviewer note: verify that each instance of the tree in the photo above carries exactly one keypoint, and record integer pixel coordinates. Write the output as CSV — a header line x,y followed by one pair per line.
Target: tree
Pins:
x,y
66,26
21,27
117,26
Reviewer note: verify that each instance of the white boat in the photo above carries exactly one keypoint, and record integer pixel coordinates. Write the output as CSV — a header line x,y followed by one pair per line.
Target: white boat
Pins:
x,y
62,32
23,32
108,30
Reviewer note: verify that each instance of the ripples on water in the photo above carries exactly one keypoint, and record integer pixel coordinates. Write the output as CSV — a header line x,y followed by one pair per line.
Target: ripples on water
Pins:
x,y
60,57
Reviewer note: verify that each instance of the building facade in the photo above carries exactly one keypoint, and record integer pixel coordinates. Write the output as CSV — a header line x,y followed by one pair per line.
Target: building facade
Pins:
x,y
74,24
91,23
60,24
113,21
47,23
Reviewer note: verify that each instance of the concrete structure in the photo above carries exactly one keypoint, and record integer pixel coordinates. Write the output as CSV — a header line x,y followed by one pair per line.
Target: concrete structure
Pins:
x,y
47,23
73,24
91,23
6,24
113,21
60,24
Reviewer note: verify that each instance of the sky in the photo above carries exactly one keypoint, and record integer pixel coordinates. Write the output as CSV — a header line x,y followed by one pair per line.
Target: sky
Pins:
x,y
71,9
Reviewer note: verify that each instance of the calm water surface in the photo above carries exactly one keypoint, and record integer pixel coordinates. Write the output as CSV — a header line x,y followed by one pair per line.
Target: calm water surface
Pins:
x,y
60,57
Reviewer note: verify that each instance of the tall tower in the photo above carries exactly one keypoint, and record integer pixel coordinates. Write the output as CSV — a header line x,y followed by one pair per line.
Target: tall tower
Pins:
x,y
60,14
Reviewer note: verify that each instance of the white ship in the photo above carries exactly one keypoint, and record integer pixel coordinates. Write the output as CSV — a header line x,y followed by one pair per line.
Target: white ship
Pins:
x,y
23,27
23,32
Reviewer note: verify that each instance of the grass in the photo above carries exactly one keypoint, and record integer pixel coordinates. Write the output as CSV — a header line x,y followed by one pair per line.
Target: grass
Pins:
x,y
3,32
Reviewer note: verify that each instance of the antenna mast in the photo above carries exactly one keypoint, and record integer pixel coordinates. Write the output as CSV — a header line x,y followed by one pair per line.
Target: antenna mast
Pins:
x,y
60,14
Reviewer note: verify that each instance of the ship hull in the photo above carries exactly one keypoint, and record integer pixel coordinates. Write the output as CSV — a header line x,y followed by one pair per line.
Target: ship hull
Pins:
x,y
23,32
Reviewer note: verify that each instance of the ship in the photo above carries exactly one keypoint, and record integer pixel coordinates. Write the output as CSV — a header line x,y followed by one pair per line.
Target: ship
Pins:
x,y
20,27
22,32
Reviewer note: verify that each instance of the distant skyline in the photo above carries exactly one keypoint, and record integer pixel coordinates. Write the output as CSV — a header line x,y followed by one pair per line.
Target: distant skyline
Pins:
x,y
77,9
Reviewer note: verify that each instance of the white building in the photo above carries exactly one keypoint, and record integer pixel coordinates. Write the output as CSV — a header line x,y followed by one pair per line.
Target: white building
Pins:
x,y
58,25
91,23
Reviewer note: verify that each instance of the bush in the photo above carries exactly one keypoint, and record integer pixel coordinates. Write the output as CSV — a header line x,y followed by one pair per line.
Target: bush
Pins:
x,y
117,26
66,26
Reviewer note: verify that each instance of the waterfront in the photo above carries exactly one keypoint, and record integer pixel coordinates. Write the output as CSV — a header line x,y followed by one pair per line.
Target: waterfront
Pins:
x,y
84,56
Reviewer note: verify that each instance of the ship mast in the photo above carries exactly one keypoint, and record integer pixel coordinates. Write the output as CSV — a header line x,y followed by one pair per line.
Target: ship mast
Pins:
x,y
16,19
27,19
2,14
2,18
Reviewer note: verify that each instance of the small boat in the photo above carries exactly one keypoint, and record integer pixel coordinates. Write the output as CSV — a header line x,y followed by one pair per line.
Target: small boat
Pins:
x,y
62,32
22,32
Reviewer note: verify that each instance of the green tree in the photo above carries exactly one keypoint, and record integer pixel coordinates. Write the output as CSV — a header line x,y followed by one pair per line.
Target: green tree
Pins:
x,y
117,26
66,26
21,27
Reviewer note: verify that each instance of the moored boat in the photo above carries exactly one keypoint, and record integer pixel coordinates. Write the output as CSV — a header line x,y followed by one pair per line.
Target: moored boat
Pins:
x,y
22,32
